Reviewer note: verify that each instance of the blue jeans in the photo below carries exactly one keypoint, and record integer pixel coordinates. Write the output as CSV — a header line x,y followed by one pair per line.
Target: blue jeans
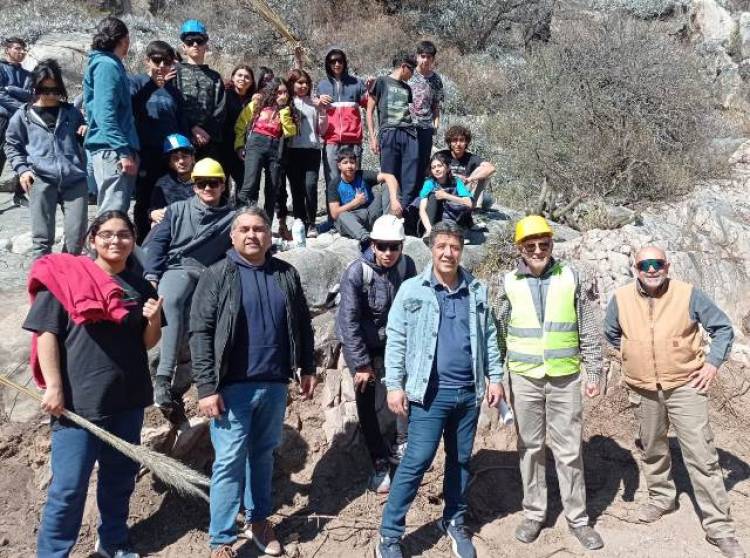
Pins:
x,y
74,452
451,414
244,438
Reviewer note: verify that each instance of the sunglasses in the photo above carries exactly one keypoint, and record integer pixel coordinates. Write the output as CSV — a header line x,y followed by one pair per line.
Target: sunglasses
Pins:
x,y
656,265
531,247
159,60
197,41
48,91
203,184
336,61
388,246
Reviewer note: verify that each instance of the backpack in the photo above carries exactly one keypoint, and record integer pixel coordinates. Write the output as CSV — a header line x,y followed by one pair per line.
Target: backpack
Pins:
x,y
402,268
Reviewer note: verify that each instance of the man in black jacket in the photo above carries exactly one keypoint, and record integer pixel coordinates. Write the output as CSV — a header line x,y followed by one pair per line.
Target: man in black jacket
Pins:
x,y
368,287
242,377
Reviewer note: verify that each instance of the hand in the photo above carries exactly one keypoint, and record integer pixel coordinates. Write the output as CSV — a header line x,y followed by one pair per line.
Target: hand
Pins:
x,y
441,195
396,208
703,378
241,153
397,402
325,100
374,147
592,389
200,136
81,131
307,383
152,309
228,84
256,98
495,394
171,73
211,406
157,215
359,199
154,284
53,401
129,165
363,376
368,82
26,180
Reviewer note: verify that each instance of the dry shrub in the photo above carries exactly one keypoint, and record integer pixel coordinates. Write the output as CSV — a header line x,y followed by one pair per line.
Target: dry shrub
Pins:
x,y
609,110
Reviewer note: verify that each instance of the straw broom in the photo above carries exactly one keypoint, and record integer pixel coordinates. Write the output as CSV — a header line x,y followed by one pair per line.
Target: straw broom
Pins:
x,y
183,479
267,13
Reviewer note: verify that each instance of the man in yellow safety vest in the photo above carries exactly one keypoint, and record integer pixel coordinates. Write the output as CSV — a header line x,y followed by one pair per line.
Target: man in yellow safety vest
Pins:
x,y
546,330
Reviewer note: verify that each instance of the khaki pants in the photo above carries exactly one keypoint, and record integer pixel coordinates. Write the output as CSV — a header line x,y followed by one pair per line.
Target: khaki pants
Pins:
x,y
550,405
687,410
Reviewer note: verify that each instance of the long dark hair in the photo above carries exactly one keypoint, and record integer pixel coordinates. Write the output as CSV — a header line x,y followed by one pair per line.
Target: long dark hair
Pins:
x,y
294,76
263,74
270,91
450,180
253,87
102,218
49,69
108,33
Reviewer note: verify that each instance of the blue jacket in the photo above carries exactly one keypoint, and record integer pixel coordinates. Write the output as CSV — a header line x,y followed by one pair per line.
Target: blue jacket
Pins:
x,y
15,87
157,111
106,97
56,157
412,337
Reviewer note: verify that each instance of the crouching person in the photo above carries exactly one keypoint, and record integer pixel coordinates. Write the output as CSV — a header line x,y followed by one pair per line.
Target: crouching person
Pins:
x,y
440,353
250,329
368,288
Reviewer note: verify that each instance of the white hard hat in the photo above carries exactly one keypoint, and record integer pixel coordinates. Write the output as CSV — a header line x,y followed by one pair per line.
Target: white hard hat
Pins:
x,y
388,227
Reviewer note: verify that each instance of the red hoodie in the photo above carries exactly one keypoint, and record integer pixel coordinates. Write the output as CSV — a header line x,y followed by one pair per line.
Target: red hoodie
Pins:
x,y
86,291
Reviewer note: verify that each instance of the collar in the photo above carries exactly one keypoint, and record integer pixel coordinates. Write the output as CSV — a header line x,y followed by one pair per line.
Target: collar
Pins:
x,y
464,280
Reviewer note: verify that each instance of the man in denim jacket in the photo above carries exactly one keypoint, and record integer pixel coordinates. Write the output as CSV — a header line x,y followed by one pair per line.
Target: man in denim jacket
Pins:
x,y
441,324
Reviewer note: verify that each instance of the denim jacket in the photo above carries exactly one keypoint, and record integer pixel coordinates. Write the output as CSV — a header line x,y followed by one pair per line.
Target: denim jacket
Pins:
x,y
412,333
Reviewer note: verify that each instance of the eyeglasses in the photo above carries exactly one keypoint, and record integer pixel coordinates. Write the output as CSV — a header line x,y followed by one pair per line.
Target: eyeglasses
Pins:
x,y
197,41
157,60
388,246
655,264
109,236
48,91
531,247
203,184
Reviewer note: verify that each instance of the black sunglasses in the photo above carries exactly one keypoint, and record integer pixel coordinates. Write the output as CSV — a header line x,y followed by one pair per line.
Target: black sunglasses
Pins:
x,y
159,60
388,246
333,61
48,91
203,184
196,41
645,265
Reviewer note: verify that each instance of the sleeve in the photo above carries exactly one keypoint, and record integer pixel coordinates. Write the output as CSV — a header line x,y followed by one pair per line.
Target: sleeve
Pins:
x,y
158,200
46,315
288,127
438,93
713,319
333,192
307,334
363,94
203,317
377,88
426,190
395,346
370,178
502,309
492,359
8,101
240,127
475,161
104,108
140,92
612,329
220,105
156,249
588,335
462,190
16,140
348,319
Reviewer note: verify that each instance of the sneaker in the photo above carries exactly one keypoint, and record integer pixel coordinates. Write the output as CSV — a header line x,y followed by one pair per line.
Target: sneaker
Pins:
x,y
380,480
650,513
528,530
264,537
460,537
397,453
588,537
223,551
19,200
122,552
312,232
389,548
729,546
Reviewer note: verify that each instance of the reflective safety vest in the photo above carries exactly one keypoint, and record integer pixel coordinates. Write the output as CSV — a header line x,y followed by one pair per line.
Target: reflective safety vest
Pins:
x,y
552,349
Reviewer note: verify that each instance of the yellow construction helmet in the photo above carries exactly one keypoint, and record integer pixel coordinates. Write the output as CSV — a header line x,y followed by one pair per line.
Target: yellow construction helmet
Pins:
x,y
532,225
208,168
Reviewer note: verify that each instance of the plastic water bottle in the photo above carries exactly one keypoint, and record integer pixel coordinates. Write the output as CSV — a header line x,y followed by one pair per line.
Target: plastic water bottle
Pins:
x,y
299,236
506,414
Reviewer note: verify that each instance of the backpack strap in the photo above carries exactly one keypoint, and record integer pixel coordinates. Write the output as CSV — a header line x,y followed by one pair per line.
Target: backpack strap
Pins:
x,y
367,276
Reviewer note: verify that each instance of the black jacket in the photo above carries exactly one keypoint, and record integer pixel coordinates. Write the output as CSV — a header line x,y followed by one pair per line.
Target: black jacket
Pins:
x,y
213,322
363,310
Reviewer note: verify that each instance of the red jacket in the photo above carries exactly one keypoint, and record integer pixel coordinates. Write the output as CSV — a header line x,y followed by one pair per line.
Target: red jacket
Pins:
x,y
344,117
86,291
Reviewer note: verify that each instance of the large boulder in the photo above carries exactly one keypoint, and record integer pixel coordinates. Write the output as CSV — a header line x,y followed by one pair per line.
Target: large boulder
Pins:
x,y
711,23
69,49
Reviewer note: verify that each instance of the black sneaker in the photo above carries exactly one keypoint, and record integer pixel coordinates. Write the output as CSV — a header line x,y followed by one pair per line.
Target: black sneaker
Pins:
x,y
460,537
20,200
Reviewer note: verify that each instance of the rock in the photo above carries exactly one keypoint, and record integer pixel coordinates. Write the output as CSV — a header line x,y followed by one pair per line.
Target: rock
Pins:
x,y
327,344
15,344
22,243
69,49
744,32
711,23
6,244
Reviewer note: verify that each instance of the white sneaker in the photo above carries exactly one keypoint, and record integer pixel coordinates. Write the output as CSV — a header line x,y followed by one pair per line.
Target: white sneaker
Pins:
x,y
114,553
397,453
380,480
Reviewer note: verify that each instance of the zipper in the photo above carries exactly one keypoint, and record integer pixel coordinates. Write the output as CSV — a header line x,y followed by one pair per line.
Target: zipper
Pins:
x,y
653,341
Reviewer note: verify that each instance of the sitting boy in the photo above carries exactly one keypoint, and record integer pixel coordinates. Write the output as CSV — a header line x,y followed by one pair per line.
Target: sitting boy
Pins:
x,y
177,184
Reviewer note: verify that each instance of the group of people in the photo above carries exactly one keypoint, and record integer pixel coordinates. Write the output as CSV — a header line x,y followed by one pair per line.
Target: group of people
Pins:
x,y
233,319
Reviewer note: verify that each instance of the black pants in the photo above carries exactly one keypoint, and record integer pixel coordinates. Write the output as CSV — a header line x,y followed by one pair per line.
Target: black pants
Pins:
x,y
302,168
4,120
152,167
435,213
261,153
368,422
424,149
233,166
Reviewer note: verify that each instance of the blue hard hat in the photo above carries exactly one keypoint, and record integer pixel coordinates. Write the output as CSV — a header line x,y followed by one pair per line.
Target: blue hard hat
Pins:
x,y
174,142
192,27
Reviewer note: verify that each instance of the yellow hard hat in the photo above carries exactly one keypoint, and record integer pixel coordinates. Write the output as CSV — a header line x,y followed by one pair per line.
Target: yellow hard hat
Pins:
x,y
532,225
208,168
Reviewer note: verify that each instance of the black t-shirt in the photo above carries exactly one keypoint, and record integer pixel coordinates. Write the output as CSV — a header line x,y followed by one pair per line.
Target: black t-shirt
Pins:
x,y
464,166
394,97
48,115
104,365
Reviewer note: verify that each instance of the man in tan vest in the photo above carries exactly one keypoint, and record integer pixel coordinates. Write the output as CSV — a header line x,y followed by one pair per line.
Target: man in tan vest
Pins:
x,y
654,322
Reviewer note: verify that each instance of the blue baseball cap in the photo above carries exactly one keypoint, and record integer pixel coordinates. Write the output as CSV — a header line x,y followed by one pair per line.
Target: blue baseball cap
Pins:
x,y
176,142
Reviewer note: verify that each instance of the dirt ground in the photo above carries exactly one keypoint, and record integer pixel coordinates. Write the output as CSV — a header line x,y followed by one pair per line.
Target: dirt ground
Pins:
x,y
324,509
